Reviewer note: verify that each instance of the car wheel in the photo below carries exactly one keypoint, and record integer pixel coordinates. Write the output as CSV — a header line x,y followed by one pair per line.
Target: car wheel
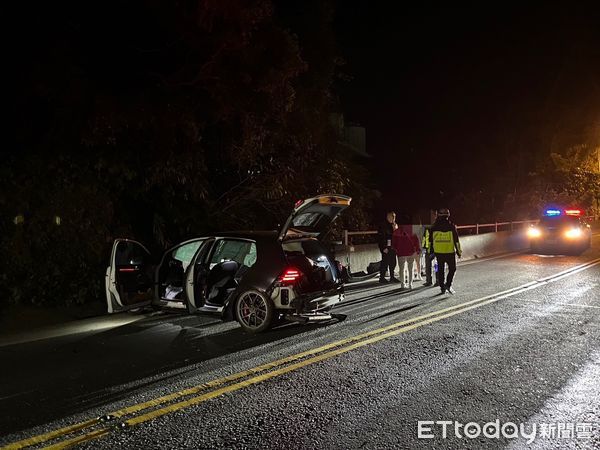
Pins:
x,y
254,311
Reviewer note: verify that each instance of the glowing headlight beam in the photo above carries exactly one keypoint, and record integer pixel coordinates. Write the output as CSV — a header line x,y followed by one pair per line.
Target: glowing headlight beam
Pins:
x,y
573,233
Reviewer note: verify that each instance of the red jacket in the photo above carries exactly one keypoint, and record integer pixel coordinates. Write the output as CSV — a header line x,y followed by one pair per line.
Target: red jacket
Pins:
x,y
405,244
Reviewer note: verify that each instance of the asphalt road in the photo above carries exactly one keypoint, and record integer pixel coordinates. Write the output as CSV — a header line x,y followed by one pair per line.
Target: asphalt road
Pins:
x,y
519,342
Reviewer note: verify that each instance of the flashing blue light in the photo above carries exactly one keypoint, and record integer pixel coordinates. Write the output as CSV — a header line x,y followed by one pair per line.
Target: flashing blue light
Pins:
x,y
552,212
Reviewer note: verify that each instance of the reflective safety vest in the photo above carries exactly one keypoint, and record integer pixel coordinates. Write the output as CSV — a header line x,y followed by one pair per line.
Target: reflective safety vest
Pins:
x,y
444,238
443,242
426,239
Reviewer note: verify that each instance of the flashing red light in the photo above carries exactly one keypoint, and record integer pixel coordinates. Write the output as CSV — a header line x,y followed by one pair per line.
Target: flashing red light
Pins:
x,y
298,204
290,276
573,212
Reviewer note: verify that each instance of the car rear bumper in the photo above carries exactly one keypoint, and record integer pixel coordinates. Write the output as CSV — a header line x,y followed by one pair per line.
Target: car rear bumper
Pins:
x,y
318,301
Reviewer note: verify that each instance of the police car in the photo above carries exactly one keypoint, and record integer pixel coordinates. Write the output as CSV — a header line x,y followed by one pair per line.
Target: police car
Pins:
x,y
560,231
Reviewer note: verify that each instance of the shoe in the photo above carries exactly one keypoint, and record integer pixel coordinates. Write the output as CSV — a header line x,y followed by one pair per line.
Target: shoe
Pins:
x,y
410,286
394,280
443,290
436,284
383,281
428,283
450,290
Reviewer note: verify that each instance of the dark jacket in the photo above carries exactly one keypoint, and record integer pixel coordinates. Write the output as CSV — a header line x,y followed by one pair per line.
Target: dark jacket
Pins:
x,y
444,235
384,234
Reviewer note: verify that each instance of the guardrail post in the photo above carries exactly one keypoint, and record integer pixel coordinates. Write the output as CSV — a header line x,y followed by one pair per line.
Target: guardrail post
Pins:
x,y
476,228
496,224
346,238
511,226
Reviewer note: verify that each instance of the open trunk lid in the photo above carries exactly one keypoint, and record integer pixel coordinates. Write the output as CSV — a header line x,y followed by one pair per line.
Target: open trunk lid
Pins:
x,y
312,216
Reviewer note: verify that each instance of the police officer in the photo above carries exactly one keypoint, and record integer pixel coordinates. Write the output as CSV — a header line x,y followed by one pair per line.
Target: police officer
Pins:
x,y
388,256
444,244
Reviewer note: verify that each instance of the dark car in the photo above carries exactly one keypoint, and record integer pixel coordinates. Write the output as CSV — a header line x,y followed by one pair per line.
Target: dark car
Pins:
x,y
254,277
560,231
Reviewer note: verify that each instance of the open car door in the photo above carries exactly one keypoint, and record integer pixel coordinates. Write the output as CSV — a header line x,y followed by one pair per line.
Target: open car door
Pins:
x,y
129,278
171,272
312,216
216,271
195,277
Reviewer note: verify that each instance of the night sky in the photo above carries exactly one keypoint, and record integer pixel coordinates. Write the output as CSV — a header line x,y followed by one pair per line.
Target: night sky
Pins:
x,y
448,93
451,94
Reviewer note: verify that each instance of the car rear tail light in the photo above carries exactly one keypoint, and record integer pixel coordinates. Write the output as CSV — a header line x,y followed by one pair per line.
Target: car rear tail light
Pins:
x,y
128,269
289,276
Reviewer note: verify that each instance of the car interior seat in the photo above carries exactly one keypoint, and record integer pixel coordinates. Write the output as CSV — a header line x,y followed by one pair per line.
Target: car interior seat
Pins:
x,y
248,262
221,281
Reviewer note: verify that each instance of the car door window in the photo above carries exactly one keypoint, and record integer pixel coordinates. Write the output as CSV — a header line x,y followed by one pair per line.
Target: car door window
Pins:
x,y
130,253
242,252
186,252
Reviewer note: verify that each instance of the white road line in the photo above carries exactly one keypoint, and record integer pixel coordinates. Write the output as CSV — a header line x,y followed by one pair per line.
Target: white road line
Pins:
x,y
489,258
558,303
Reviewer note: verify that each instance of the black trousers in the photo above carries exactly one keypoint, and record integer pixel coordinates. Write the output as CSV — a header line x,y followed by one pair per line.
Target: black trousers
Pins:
x,y
442,260
388,261
429,257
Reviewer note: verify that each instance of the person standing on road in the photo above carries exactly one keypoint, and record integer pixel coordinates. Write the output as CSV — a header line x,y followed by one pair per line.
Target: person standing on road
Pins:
x,y
429,256
406,248
417,255
446,246
388,257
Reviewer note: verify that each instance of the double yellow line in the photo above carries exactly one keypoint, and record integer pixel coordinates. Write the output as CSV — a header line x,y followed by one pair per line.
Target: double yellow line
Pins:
x,y
95,428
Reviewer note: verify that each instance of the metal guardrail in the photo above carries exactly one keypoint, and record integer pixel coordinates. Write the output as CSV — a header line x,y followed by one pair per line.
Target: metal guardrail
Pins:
x,y
495,225
476,226
347,235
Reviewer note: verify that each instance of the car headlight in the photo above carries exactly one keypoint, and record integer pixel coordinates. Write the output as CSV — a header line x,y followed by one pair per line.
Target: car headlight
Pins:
x,y
573,233
534,232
